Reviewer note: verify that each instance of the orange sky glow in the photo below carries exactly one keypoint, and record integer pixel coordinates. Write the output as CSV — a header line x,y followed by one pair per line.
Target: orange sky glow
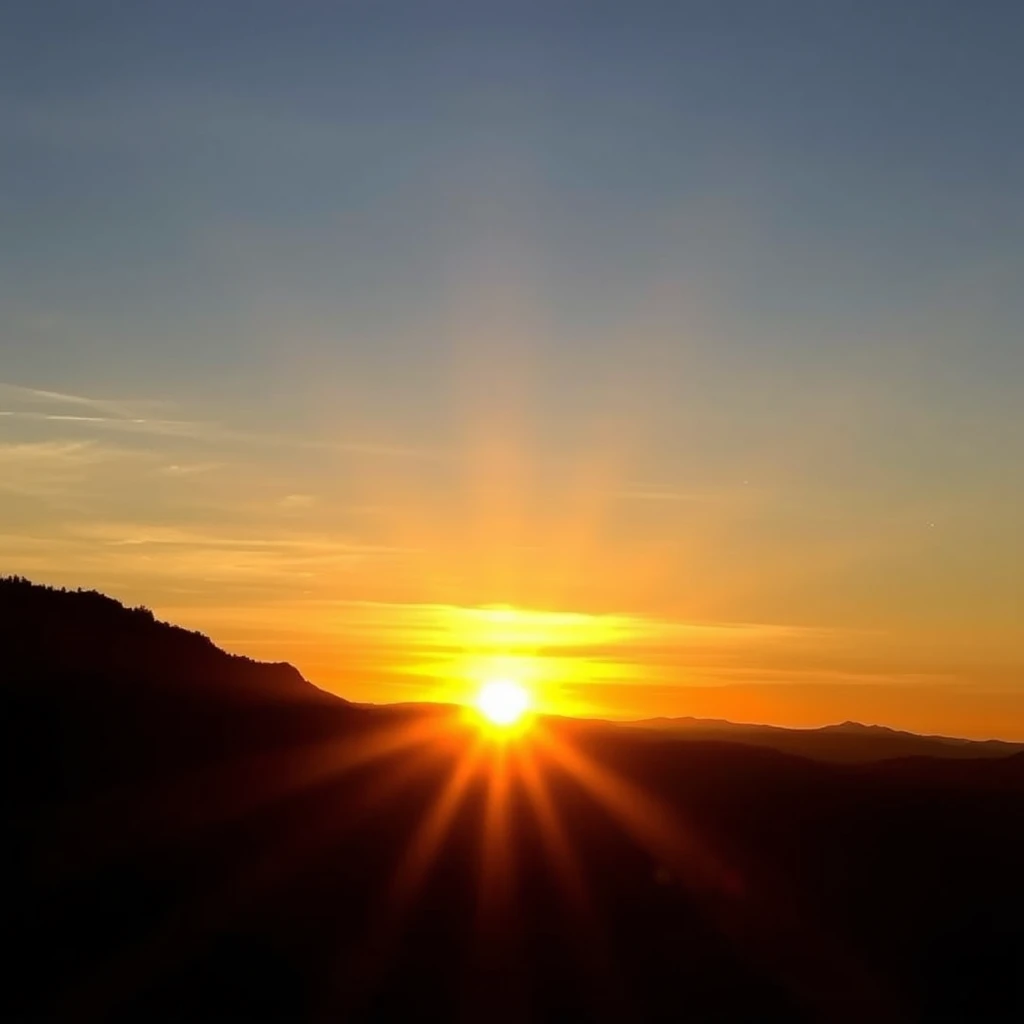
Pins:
x,y
424,577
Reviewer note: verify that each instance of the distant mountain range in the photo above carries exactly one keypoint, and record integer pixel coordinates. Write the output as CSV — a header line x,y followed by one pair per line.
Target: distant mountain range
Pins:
x,y
848,742
845,743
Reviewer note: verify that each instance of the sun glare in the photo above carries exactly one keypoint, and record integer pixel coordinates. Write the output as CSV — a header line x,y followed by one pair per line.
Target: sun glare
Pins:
x,y
503,702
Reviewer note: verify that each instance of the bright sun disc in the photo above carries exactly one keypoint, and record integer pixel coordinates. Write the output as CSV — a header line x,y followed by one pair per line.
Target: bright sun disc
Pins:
x,y
503,702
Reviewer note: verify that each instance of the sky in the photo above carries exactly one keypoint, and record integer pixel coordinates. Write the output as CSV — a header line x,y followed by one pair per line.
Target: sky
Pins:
x,y
665,356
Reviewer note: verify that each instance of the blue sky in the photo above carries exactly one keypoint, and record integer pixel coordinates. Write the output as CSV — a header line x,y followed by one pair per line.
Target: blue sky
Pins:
x,y
765,257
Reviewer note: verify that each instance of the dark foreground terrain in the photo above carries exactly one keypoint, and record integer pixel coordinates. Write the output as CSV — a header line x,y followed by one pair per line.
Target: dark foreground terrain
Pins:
x,y
191,836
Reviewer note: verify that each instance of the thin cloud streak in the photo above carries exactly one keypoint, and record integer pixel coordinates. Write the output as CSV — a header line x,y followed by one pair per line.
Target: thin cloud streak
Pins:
x,y
52,468
118,534
118,408
134,416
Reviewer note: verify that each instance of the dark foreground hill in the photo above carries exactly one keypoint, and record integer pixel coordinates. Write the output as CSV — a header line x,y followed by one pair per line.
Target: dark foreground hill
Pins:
x,y
222,842
94,693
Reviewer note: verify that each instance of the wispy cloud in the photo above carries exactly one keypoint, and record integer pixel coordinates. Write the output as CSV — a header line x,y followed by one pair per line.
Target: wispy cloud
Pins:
x,y
440,626
154,559
684,495
187,469
117,408
162,427
46,468
205,554
156,534
655,494
149,417
297,501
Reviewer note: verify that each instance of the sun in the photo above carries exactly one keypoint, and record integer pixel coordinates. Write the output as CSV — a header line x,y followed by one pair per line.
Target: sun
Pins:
x,y
503,702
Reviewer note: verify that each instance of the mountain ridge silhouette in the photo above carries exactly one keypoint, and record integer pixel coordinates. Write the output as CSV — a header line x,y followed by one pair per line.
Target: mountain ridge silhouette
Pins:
x,y
99,635
845,742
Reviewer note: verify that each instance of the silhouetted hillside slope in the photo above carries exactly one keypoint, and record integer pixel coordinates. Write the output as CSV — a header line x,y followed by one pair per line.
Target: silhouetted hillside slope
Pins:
x,y
50,633
848,742
91,689
290,860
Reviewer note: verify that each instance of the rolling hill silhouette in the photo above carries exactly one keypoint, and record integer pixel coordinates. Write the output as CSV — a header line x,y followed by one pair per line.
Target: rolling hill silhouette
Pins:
x,y
193,836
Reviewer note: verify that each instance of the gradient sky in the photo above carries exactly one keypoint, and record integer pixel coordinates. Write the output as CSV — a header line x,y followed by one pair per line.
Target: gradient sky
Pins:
x,y
693,331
